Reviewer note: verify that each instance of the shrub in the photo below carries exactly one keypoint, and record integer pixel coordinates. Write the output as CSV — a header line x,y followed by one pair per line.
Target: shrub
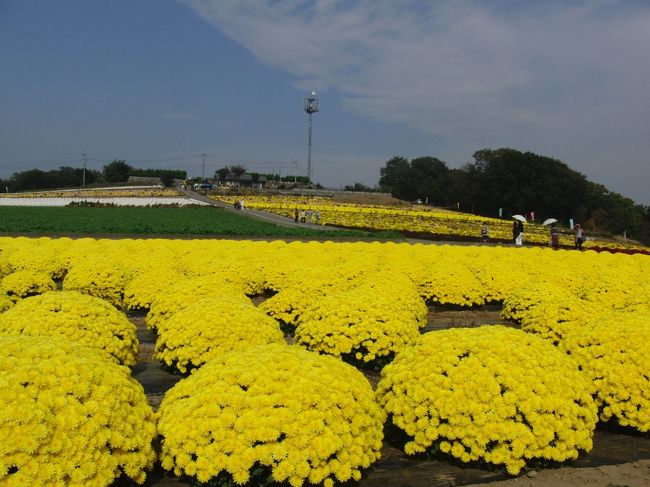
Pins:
x,y
181,294
97,277
25,283
210,327
370,322
69,417
36,254
275,411
5,303
78,318
546,309
445,279
612,352
491,394
146,285
303,291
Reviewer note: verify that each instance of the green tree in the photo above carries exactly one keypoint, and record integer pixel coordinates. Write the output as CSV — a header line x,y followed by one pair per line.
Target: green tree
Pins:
x,y
220,174
236,170
393,175
117,171
429,179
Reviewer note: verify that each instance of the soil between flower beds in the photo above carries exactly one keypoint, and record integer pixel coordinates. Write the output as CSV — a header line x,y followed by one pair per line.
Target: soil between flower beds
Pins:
x,y
612,445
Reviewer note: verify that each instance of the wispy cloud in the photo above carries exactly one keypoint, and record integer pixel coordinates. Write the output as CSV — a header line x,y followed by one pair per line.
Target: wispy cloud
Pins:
x,y
551,76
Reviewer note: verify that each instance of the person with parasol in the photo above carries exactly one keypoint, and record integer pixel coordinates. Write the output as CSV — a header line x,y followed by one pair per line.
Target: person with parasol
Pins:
x,y
555,235
518,229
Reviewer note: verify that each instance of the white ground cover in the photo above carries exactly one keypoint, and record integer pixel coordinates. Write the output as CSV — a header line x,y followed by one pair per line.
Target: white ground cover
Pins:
x,y
134,201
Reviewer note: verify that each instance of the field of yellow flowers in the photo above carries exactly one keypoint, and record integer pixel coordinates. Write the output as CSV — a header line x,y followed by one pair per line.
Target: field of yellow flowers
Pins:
x,y
413,219
253,409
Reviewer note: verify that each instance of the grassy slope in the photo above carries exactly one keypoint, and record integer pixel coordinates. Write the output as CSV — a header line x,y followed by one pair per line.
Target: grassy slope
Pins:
x,y
129,220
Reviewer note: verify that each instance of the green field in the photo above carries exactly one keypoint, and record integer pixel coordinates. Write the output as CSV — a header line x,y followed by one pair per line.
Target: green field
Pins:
x,y
154,221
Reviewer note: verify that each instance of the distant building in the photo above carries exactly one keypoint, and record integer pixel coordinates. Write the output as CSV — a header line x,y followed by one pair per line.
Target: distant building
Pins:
x,y
244,181
144,181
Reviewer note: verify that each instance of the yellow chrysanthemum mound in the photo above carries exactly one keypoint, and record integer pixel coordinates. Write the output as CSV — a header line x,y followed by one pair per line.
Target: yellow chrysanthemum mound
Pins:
x,y
183,293
372,321
300,416
25,283
211,327
5,303
148,283
78,318
304,290
447,280
496,279
617,287
42,254
493,394
290,303
546,309
248,278
612,351
97,277
69,417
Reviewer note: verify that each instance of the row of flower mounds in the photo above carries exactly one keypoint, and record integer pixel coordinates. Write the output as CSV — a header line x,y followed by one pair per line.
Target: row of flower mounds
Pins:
x,y
473,354
396,468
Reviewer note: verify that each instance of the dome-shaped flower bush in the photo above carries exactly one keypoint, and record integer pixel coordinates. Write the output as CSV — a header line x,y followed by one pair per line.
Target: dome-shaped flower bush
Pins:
x,y
24,283
147,284
492,393
546,309
304,290
295,415
78,318
616,281
211,327
36,254
371,321
97,277
69,417
183,293
5,303
443,278
612,352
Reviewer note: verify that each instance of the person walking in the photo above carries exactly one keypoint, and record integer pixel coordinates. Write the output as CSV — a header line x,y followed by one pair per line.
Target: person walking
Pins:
x,y
555,238
317,215
303,216
485,232
519,239
579,236
309,215
295,215
514,232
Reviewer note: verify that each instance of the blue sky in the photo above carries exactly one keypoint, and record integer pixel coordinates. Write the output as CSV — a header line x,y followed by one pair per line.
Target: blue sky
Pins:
x,y
159,82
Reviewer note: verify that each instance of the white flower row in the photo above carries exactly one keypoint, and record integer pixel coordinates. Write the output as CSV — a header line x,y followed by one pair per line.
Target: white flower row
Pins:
x,y
124,201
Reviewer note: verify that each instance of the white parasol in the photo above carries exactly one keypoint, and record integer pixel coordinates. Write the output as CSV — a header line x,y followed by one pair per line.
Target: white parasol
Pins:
x,y
521,218
548,221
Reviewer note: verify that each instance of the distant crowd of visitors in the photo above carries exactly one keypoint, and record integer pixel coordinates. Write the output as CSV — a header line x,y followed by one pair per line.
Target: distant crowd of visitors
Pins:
x,y
307,216
554,242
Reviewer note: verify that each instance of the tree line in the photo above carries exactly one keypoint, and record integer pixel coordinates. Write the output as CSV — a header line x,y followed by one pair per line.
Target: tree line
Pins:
x,y
237,170
117,171
506,181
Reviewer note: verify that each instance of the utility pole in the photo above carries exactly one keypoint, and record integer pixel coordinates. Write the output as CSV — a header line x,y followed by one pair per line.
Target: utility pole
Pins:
x,y
311,106
204,154
83,177
295,171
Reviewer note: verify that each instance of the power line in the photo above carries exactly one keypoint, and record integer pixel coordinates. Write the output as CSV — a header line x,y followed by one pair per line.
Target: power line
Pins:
x,y
195,161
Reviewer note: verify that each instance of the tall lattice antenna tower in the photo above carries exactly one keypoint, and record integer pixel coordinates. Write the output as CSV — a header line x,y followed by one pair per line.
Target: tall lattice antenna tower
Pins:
x,y
311,106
